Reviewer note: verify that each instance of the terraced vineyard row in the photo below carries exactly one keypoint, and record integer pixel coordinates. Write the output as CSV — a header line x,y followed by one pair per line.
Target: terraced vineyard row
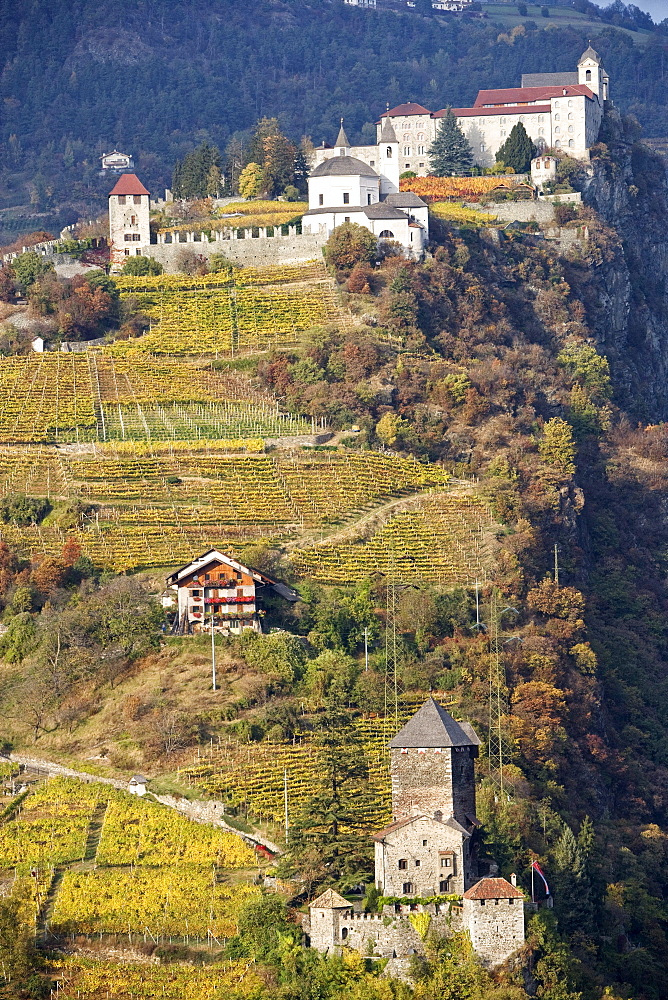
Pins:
x,y
212,320
91,397
252,778
441,540
155,871
139,518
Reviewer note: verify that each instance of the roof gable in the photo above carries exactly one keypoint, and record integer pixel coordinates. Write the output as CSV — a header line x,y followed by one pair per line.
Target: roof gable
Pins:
x,y
128,184
330,900
213,555
493,888
405,110
432,726
343,166
519,95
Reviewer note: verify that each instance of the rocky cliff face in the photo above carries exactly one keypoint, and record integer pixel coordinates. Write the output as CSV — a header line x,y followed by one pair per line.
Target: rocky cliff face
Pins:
x,y
628,301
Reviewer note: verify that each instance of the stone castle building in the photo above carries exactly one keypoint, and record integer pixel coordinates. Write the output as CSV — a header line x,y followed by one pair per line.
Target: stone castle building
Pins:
x,y
560,110
426,852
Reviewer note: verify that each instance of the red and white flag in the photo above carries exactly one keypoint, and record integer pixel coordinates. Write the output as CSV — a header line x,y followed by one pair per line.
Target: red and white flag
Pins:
x,y
536,867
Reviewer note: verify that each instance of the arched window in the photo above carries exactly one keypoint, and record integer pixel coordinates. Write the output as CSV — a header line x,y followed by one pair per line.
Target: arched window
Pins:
x,y
570,116
388,152
571,143
557,129
503,133
344,933
570,104
541,131
522,118
503,121
482,147
557,118
420,150
556,104
541,119
570,128
557,142
407,138
387,234
588,75
408,889
406,125
420,136
407,150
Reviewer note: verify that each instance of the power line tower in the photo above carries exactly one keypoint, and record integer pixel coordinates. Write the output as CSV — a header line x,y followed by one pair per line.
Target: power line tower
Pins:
x,y
499,751
391,654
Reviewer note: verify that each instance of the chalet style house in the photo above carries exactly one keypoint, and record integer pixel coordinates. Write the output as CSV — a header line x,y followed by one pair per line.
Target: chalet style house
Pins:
x,y
217,590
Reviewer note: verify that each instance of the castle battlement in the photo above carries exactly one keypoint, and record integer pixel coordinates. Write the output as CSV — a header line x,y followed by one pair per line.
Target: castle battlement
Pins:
x,y
428,850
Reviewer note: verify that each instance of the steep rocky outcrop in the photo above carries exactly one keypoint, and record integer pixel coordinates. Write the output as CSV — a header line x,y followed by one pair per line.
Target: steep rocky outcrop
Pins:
x,y
628,295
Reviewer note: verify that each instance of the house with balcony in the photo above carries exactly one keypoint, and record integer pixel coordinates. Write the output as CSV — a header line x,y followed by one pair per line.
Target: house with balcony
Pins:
x,y
216,591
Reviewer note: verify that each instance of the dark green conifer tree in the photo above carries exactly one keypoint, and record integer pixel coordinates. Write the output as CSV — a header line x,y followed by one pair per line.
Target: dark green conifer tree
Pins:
x,y
450,153
518,150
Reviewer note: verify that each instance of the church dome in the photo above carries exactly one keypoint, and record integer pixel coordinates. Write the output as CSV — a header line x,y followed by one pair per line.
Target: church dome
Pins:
x,y
337,166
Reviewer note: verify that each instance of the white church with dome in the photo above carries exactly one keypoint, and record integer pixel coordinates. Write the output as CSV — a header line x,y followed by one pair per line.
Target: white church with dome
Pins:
x,y
346,188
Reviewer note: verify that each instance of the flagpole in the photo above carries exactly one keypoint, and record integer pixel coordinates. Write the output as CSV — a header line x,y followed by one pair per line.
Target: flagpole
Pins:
x,y
533,894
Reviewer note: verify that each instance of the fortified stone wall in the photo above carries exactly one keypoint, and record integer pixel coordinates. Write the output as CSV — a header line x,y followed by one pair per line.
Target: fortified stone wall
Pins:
x,y
250,251
387,935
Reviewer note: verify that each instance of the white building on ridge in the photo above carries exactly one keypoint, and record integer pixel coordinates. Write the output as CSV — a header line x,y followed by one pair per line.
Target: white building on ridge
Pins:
x,y
360,184
560,110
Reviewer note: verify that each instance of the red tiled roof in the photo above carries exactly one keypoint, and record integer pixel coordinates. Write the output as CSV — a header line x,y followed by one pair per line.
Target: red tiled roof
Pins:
x,y
519,95
517,109
406,109
128,184
493,888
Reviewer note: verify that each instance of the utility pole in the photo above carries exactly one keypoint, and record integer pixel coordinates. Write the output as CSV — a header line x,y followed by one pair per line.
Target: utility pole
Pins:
x,y
477,606
556,564
391,638
213,653
366,648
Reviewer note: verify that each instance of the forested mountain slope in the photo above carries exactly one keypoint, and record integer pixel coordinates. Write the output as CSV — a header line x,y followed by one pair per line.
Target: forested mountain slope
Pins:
x,y
157,77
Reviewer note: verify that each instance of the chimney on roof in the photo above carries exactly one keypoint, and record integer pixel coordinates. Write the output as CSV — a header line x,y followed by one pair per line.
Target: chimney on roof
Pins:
x,y
565,91
513,879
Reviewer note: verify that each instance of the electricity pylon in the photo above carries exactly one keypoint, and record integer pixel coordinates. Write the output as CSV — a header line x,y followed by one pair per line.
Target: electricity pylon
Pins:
x,y
498,749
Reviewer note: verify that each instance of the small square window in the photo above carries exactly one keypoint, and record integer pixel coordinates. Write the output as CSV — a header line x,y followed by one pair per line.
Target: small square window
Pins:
x,y
372,163
417,862
346,218
424,843
121,199
346,198
403,864
136,199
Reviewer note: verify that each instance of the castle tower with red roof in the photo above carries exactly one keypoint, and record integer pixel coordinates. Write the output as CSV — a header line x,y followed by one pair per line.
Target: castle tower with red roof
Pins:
x,y
129,224
493,914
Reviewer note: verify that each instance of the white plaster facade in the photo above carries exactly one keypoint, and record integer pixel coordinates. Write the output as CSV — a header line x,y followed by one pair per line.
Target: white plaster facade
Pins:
x,y
361,185
564,112
129,218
